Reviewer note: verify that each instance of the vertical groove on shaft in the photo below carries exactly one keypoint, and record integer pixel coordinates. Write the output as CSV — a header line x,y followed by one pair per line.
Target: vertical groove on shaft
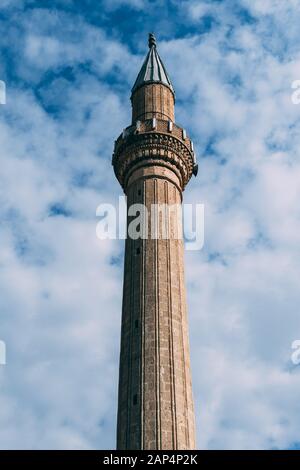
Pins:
x,y
157,332
129,393
142,405
170,319
184,358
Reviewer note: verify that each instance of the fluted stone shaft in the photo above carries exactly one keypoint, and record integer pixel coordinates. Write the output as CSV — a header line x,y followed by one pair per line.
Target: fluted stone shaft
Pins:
x,y
155,395
153,161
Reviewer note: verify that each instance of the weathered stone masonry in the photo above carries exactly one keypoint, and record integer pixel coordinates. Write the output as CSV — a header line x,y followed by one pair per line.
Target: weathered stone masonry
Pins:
x,y
153,161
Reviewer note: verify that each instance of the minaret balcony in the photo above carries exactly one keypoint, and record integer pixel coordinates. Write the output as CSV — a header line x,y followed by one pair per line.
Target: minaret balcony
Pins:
x,y
144,143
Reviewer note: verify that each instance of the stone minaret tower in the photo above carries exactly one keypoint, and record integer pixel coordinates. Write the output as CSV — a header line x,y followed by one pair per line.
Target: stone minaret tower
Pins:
x,y
153,161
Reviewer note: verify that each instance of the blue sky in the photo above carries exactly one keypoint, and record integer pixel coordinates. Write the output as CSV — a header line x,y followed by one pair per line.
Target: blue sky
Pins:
x,y
69,67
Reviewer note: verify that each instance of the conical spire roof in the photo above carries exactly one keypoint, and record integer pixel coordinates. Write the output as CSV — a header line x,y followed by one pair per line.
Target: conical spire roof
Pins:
x,y
153,70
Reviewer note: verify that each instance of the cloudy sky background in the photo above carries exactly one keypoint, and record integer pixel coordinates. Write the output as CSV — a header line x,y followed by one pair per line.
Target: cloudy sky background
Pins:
x,y
69,66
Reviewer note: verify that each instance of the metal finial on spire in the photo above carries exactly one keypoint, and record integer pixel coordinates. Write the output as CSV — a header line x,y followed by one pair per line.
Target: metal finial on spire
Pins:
x,y
153,70
152,40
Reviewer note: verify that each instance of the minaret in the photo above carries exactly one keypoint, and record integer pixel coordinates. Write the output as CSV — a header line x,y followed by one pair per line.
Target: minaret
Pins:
x,y
153,161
